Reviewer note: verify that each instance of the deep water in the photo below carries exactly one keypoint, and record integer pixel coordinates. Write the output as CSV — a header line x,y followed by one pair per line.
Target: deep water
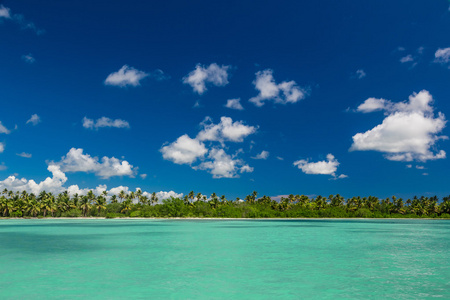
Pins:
x,y
224,259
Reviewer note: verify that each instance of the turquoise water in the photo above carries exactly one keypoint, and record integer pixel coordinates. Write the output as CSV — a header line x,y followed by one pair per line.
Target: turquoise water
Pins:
x,y
224,259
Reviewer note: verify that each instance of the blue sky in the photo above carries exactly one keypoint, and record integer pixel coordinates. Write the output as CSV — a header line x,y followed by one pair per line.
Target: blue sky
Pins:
x,y
302,97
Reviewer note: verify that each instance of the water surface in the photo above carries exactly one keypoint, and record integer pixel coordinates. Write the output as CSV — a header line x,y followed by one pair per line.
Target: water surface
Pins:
x,y
224,259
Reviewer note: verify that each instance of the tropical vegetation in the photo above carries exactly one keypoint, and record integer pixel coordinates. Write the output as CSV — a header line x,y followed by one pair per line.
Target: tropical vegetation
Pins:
x,y
136,204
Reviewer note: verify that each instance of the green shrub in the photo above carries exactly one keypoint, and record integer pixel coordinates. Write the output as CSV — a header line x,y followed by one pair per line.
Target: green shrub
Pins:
x,y
113,215
73,213
135,214
445,216
16,214
363,213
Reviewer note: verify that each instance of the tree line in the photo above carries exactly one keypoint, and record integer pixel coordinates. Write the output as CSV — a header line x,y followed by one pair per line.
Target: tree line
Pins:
x,y
135,204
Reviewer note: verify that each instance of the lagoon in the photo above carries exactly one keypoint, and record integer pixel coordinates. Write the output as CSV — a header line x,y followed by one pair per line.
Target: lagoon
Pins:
x,y
224,259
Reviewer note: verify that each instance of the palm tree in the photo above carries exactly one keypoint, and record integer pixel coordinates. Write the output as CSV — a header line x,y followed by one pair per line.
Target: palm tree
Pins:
x,y
131,196
34,207
75,200
213,196
122,195
199,197
126,205
143,200
154,199
85,205
46,203
100,203
113,199
138,194
191,195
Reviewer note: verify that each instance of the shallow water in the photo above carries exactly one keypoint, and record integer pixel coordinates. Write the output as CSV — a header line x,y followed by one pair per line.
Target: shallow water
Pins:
x,y
224,259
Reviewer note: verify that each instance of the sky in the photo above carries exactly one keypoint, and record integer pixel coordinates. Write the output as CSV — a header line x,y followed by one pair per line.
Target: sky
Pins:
x,y
294,97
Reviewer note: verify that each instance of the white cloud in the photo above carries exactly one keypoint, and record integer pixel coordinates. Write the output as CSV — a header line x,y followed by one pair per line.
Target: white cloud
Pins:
x,y
371,105
420,167
2,147
234,104
76,161
126,76
213,159
409,166
280,158
201,75
28,58
104,122
407,58
360,74
263,155
324,167
164,195
408,132
226,130
5,13
246,169
24,154
282,93
222,165
55,185
143,176
442,56
3,129
34,120
50,184
184,150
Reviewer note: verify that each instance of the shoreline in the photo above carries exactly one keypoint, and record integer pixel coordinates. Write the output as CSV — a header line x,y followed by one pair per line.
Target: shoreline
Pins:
x,y
228,219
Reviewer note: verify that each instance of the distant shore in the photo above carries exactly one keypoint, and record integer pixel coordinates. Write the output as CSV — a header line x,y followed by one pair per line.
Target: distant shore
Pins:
x,y
229,219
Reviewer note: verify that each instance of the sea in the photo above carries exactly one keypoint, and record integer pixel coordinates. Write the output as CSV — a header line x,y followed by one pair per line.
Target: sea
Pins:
x,y
224,259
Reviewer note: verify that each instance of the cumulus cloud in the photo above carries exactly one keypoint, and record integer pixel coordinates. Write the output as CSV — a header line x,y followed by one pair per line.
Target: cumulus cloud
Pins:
x,y
50,184
263,155
214,159
28,58
226,130
213,74
76,161
24,154
2,147
234,104
5,13
3,129
282,93
126,76
324,167
222,165
55,185
34,120
104,122
442,56
184,150
408,132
